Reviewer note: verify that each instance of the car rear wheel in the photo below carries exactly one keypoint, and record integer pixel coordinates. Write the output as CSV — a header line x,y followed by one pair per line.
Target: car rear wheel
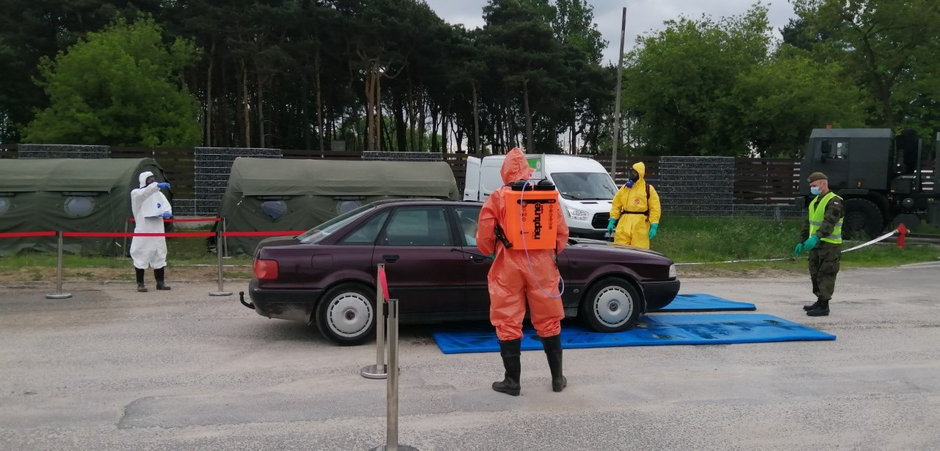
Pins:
x,y
611,305
346,314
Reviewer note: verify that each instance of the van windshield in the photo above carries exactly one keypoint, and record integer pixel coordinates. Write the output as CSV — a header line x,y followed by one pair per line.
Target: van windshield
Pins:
x,y
584,185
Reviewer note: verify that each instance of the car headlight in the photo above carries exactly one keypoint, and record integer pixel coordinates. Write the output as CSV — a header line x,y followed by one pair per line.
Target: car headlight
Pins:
x,y
577,213
673,272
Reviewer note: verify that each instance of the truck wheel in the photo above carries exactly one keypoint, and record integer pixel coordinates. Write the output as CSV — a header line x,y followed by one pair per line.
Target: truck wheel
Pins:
x,y
863,220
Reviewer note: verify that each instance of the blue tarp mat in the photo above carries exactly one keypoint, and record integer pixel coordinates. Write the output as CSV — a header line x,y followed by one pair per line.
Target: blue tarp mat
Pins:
x,y
653,330
704,303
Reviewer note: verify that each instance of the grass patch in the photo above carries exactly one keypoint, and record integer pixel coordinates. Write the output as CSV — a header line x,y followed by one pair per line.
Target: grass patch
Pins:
x,y
180,252
682,238
714,240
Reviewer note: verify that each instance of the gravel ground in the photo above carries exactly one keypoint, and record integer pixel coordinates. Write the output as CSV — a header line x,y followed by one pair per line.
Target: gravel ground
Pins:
x,y
111,368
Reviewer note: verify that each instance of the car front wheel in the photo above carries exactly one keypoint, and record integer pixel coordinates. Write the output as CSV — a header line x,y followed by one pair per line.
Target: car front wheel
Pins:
x,y
611,305
346,314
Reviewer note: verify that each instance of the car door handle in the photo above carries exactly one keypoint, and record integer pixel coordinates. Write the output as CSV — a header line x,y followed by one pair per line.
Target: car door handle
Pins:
x,y
477,258
390,258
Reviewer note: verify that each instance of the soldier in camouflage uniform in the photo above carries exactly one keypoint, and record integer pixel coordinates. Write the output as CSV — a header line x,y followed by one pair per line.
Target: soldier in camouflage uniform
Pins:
x,y
823,232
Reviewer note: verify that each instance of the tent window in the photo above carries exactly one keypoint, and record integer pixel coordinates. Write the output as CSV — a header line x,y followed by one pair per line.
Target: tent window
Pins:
x,y
6,204
274,209
347,205
79,206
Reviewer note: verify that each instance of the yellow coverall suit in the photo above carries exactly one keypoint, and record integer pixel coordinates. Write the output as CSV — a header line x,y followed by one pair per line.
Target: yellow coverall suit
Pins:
x,y
634,213
518,275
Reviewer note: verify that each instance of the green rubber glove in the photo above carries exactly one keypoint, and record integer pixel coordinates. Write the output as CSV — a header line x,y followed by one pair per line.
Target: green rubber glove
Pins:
x,y
798,249
492,256
810,243
611,223
653,227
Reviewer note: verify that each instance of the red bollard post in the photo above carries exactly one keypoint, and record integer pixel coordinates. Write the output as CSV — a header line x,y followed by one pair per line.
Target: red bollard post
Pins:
x,y
902,232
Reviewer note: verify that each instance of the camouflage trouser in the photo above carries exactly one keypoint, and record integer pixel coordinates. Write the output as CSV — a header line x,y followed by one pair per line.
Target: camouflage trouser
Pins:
x,y
823,267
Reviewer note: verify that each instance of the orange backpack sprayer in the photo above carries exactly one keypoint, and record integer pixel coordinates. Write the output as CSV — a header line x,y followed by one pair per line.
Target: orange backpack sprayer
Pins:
x,y
531,215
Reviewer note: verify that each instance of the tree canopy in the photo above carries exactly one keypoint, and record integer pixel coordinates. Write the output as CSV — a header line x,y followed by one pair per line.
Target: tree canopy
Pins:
x,y
391,75
706,87
119,86
888,48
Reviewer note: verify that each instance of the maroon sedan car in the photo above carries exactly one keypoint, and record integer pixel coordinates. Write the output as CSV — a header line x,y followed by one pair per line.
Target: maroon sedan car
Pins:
x,y
327,275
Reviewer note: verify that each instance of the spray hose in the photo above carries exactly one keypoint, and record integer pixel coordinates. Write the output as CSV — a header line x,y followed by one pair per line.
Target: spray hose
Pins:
x,y
854,248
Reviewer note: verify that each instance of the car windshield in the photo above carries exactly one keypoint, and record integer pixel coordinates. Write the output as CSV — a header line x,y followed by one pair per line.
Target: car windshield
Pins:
x,y
584,185
327,228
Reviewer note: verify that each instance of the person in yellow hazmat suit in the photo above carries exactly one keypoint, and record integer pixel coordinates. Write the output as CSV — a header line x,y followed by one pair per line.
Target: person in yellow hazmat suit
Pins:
x,y
520,277
634,215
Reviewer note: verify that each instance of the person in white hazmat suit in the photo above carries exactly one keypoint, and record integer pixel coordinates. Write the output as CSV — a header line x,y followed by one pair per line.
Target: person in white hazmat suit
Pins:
x,y
150,208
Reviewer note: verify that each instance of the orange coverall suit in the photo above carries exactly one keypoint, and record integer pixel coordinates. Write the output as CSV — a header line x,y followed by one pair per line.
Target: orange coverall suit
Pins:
x,y
629,205
512,280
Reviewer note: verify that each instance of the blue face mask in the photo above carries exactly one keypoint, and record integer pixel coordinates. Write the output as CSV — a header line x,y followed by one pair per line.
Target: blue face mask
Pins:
x,y
629,183
814,190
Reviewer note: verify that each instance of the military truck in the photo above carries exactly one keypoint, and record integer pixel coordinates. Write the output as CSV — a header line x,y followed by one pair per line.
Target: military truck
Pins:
x,y
885,179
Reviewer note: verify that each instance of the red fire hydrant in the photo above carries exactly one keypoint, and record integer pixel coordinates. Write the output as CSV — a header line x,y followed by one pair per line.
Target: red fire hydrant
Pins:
x,y
902,232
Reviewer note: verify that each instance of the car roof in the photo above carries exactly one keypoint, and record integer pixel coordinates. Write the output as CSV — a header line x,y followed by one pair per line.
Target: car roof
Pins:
x,y
428,201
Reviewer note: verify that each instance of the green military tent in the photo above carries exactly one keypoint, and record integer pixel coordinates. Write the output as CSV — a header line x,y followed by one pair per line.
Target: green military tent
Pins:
x,y
69,195
266,194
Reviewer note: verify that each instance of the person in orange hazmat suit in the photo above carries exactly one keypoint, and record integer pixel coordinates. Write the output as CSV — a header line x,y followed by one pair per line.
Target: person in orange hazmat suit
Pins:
x,y
635,211
518,276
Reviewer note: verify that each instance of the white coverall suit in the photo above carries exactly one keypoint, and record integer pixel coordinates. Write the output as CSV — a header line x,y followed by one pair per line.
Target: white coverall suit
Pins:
x,y
146,250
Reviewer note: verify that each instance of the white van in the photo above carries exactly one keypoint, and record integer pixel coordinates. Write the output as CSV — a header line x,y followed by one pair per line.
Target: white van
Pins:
x,y
585,187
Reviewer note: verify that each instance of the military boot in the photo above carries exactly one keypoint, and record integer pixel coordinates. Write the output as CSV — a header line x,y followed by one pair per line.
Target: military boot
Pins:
x,y
822,309
140,280
509,350
553,348
812,306
159,274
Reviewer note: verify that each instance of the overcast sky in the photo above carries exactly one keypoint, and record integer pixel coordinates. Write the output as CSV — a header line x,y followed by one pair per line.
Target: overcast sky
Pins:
x,y
643,16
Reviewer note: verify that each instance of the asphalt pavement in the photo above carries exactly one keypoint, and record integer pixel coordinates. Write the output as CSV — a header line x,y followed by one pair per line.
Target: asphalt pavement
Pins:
x,y
114,369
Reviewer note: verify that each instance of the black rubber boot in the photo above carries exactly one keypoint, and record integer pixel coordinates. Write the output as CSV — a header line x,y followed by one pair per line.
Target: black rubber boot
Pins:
x,y
158,274
140,280
552,347
822,309
809,307
509,351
